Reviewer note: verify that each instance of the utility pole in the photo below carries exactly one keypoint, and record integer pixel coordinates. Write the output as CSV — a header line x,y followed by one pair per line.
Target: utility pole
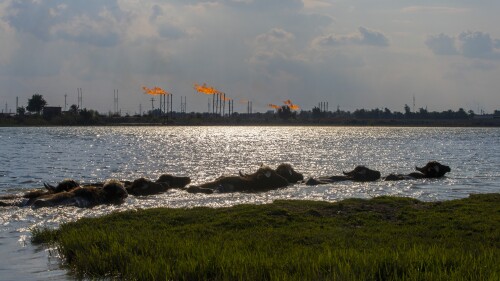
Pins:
x,y
213,103
224,104
165,109
79,97
413,102
183,104
152,104
115,100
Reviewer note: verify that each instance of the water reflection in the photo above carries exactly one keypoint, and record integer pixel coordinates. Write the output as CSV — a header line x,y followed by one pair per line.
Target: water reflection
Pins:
x,y
31,156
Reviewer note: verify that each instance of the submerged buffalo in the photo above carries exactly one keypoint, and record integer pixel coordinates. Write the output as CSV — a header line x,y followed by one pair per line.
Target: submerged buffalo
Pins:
x,y
432,169
359,174
285,170
29,197
264,179
144,187
112,192
70,193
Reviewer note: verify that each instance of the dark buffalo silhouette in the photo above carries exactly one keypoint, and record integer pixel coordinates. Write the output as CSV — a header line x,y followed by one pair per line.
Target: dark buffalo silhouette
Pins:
x,y
264,179
174,181
112,192
144,187
285,170
359,174
432,169
31,196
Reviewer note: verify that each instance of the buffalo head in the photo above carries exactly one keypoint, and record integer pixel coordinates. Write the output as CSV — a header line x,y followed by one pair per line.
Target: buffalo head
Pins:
x,y
286,171
113,192
434,169
65,185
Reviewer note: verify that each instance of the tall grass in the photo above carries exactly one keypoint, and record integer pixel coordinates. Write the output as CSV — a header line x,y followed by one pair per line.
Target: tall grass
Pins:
x,y
384,238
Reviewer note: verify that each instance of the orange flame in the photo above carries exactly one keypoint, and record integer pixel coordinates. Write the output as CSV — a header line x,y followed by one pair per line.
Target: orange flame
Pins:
x,y
291,105
154,91
274,106
205,89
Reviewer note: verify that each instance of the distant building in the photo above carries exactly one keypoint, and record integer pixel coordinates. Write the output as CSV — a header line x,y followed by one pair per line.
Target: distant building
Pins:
x,y
52,111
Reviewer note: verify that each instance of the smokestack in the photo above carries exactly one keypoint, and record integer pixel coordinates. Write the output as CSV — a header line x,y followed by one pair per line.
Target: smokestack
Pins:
x,y
224,104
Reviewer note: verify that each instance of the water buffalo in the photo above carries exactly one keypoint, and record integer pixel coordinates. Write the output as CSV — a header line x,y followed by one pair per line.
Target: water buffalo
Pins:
x,y
112,192
359,174
29,197
286,171
144,187
264,179
432,169
174,181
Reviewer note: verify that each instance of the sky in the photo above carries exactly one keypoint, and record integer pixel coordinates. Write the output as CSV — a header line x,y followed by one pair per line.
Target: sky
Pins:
x,y
350,53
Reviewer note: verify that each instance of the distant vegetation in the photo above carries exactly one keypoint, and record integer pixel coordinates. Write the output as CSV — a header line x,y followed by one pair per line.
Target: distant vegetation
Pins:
x,y
37,113
385,238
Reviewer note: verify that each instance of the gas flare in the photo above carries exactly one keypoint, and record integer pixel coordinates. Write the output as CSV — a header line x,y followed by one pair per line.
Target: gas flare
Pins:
x,y
154,91
205,89
287,103
291,105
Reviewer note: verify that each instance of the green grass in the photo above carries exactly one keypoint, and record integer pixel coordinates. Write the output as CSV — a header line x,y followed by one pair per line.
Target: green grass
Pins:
x,y
385,238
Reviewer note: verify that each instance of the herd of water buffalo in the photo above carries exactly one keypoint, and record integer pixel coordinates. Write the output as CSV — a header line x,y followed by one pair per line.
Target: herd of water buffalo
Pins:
x,y
70,193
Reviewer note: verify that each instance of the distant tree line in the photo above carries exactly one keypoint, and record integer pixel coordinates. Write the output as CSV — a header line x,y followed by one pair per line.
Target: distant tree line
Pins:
x,y
77,116
386,113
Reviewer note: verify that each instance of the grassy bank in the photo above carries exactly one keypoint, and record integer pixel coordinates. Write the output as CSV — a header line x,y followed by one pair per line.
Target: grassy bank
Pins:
x,y
385,238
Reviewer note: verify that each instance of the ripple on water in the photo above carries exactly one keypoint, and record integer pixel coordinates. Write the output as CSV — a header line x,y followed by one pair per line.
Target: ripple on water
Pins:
x,y
32,156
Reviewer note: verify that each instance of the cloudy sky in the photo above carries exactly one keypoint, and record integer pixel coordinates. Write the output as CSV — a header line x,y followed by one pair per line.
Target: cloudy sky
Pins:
x,y
349,53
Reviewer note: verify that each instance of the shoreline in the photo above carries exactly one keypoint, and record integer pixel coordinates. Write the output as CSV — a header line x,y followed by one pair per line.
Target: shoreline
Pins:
x,y
467,123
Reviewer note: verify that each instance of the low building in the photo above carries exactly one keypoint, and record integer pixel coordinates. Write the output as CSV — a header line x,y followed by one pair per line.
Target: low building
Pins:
x,y
51,111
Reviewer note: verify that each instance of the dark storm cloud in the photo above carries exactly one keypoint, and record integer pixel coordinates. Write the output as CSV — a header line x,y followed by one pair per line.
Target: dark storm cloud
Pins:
x,y
477,44
90,21
441,44
364,37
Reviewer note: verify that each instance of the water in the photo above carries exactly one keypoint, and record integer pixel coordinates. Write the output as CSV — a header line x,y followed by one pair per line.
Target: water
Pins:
x,y
31,156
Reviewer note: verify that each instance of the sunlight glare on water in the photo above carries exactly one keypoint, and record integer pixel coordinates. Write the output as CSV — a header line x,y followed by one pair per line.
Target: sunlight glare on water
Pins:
x,y
32,156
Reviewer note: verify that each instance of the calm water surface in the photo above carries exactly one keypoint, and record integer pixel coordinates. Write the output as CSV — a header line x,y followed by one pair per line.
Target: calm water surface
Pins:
x,y
31,156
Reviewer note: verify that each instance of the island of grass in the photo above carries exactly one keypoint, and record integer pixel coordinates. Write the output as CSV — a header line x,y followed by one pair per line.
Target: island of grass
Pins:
x,y
385,238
